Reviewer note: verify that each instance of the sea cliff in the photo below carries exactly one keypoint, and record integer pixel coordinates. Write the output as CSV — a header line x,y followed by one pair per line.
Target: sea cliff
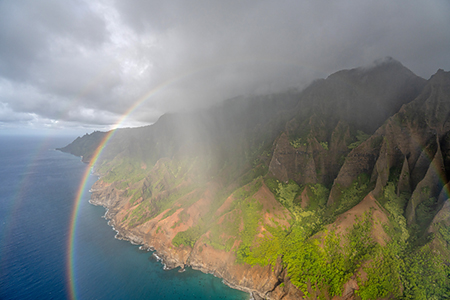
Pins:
x,y
339,191
260,282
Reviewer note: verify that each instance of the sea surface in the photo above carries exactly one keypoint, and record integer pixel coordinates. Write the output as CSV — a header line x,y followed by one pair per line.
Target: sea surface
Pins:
x,y
38,186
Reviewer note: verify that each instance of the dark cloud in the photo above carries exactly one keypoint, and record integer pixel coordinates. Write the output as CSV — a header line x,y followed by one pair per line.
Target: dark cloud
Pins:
x,y
90,62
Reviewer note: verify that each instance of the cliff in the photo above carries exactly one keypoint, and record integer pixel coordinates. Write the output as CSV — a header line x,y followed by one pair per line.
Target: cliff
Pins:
x,y
338,191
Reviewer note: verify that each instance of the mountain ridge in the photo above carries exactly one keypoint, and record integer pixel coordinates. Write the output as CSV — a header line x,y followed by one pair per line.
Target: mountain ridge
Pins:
x,y
259,180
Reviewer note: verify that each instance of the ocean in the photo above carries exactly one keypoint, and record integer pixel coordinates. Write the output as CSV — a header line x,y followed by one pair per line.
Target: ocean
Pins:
x,y
38,186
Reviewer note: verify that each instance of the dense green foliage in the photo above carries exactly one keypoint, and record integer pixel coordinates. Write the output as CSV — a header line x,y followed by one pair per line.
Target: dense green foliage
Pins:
x,y
383,273
188,237
318,195
251,217
445,233
324,266
353,194
325,261
286,193
400,265
426,276
360,138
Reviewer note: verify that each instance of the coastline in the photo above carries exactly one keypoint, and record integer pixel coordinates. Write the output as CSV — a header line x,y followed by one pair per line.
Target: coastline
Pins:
x,y
168,263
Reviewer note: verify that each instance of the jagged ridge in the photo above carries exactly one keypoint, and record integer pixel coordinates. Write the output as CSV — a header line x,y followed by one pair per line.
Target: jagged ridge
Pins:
x,y
212,189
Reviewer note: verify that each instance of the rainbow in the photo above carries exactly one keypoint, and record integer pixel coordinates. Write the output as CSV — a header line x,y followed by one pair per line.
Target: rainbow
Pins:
x,y
82,187
70,268
74,216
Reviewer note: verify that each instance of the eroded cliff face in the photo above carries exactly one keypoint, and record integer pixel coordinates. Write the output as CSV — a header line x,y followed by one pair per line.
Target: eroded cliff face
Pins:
x,y
318,139
319,164
159,232
412,146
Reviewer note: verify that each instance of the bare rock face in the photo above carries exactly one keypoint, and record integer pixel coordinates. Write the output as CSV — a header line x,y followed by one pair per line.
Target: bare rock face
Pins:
x,y
404,181
412,141
429,187
286,291
315,142
360,160
283,154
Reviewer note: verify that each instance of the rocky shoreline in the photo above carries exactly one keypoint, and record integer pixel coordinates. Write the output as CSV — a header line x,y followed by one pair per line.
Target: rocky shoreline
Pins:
x,y
164,257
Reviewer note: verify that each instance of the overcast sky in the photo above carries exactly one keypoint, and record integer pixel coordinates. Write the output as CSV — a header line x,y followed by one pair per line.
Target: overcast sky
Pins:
x,y
73,65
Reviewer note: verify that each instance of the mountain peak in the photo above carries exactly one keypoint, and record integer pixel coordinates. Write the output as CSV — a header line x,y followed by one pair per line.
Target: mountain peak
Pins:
x,y
382,63
388,60
440,76
386,68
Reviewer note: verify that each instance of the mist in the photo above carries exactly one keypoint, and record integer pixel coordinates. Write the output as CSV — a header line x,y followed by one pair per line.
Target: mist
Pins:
x,y
96,65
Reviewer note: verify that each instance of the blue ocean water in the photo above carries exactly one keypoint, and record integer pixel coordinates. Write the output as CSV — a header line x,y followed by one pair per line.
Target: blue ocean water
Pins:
x,y
38,186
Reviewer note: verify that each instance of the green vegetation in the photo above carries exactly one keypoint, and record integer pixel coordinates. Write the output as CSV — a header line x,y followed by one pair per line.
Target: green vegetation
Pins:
x,y
267,249
188,237
251,216
140,214
171,199
318,196
125,172
313,257
426,276
258,171
223,235
297,143
360,138
425,211
352,195
325,267
400,269
170,212
286,193
394,205
383,274
445,233
135,195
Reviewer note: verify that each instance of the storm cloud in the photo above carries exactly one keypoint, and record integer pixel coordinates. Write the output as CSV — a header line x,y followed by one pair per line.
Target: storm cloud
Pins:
x,y
87,63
